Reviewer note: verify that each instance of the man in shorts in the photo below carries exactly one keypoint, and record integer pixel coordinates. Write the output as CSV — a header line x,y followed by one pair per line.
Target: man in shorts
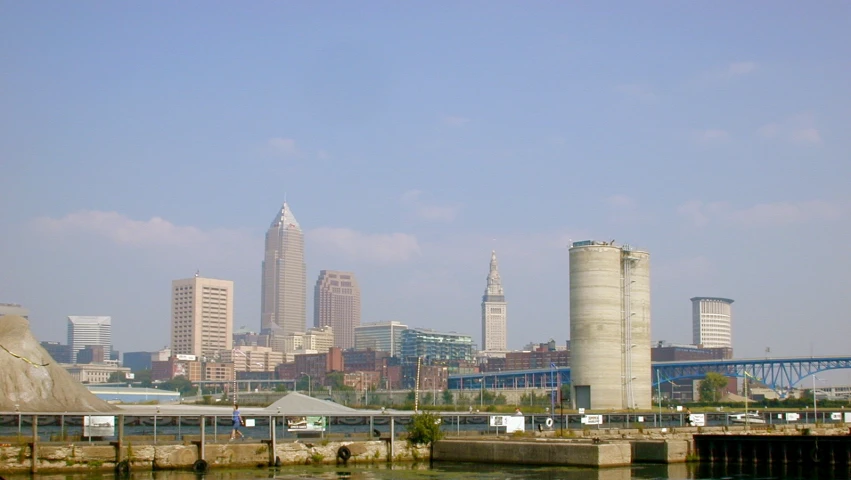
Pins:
x,y
237,422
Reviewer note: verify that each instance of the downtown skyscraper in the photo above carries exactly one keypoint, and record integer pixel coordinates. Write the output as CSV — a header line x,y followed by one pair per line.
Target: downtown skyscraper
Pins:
x,y
494,312
85,331
284,282
336,300
201,316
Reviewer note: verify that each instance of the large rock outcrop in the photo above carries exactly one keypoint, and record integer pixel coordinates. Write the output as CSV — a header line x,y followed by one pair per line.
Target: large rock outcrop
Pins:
x,y
32,380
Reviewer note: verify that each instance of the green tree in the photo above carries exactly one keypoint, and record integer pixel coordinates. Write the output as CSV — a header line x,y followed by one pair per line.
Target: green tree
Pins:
x,y
116,377
181,384
335,380
424,429
565,393
447,397
710,386
142,377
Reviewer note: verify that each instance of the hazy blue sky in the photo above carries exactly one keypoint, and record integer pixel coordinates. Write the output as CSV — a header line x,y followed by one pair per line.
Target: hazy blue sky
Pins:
x,y
140,141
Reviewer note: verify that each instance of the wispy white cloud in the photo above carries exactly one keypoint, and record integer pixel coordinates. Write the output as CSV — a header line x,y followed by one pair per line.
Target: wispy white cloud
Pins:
x,y
635,91
721,74
736,69
122,230
360,246
712,135
775,214
156,239
436,213
455,121
799,129
621,202
624,209
285,147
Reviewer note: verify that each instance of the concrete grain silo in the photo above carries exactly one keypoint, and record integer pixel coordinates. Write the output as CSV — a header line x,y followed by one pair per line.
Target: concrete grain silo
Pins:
x,y
609,326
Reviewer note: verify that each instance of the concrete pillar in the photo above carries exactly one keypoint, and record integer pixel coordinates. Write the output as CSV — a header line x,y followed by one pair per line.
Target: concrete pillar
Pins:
x,y
119,454
392,437
203,442
34,466
273,445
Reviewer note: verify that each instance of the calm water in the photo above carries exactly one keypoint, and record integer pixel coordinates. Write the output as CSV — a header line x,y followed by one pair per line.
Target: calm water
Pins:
x,y
466,471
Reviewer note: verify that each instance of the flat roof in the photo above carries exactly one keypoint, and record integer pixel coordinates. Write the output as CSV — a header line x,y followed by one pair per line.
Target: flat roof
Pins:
x,y
720,299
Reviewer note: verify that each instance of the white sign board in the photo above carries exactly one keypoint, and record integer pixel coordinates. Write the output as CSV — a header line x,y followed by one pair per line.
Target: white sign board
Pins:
x,y
847,417
498,420
592,420
836,416
792,417
100,426
249,422
640,419
582,411
679,408
697,419
513,423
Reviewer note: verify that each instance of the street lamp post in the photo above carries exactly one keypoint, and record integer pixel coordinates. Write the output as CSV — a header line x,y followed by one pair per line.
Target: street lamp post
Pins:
x,y
309,393
815,401
434,392
553,391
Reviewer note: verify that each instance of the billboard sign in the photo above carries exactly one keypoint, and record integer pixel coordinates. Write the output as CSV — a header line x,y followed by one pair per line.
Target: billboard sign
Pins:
x,y
98,426
697,419
592,420
306,424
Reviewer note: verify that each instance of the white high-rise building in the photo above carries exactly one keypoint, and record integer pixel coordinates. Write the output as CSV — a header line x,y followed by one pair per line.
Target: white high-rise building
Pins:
x,y
494,312
89,330
284,281
712,322
201,316
380,336
318,339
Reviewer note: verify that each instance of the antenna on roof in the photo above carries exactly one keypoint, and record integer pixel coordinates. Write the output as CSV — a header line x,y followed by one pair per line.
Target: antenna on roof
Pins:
x,y
197,273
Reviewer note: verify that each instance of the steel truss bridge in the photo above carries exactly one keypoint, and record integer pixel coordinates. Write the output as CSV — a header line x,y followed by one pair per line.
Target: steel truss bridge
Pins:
x,y
778,374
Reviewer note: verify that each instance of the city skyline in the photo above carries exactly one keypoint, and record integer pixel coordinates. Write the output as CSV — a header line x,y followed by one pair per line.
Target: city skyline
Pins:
x,y
416,141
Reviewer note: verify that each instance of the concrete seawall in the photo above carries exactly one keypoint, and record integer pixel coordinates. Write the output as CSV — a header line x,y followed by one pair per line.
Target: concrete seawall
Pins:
x,y
552,452
83,457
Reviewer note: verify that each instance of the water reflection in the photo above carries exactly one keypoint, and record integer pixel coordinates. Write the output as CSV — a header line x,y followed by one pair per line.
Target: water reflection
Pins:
x,y
467,471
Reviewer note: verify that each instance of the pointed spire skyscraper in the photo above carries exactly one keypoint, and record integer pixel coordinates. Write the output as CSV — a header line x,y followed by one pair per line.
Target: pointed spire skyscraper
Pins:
x,y
284,282
494,312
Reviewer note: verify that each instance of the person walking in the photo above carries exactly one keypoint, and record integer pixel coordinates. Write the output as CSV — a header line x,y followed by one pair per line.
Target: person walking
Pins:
x,y
237,422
